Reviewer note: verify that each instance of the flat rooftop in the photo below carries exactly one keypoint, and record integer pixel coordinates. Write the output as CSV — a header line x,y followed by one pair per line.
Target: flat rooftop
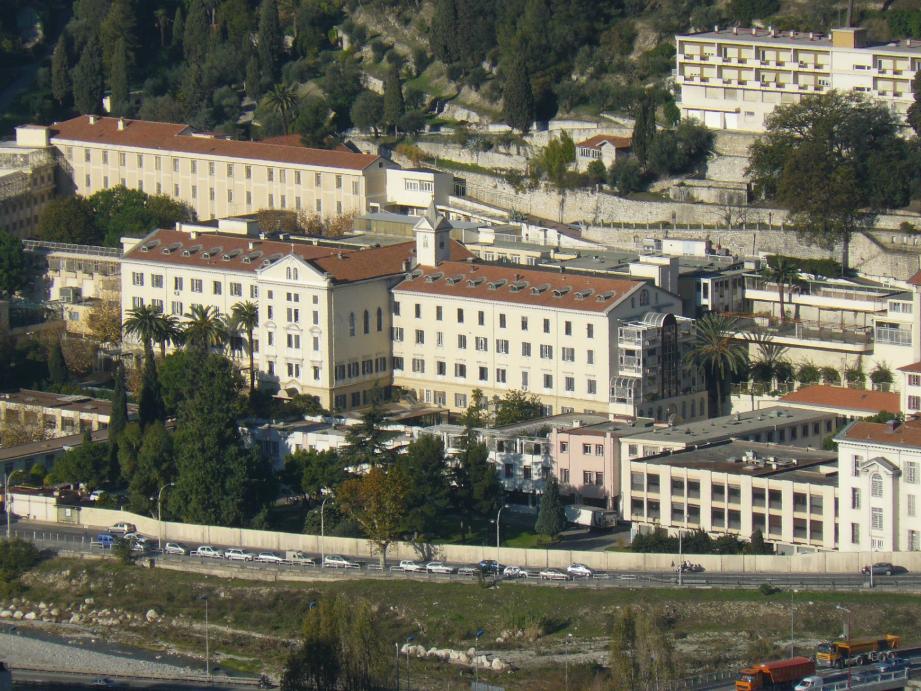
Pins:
x,y
56,401
729,426
14,453
528,427
618,428
801,39
736,457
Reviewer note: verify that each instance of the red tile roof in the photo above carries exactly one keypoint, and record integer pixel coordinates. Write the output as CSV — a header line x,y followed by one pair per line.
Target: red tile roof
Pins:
x,y
844,398
907,433
597,140
916,279
913,367
358,265
167,137
492,282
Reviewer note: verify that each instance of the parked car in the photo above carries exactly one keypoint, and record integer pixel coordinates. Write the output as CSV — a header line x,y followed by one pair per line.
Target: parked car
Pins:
x,y
410,566
469,570
294,557
335,561
439,567
515,572
237,554
208,551
491,566
270,558
103,541
553,575
579,571
174,548
97,494
809,684
137,546
135,537
895,664
883,568
123,528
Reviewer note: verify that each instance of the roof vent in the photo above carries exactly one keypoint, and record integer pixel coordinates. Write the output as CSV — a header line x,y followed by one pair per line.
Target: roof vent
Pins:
x,y
172,247
754,31
252,255
607,295
147,246
93,119
735,31
191,250
214,251
273,258
416,273
537,290
474,282
121,124
582,294
437,276
455,279
560,292
231,254
495,285
517,286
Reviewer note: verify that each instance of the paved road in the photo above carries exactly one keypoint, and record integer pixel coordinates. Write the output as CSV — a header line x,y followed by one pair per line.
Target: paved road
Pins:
x,y
79,539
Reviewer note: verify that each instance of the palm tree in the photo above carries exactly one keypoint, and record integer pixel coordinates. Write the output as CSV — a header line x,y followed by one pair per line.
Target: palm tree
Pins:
x,y
161,19
283,100
784,272
146,324
772,364
716,352
170,333
246,315
204,328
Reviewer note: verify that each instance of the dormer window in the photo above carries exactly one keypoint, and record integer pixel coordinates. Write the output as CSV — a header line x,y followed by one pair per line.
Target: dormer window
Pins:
x,y
474,282
542,288
560,292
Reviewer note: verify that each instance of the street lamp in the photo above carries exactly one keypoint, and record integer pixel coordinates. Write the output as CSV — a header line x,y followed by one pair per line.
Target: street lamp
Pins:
x,y
409,638
6,498
327,494
568,644
498,518
793,591
476,657
207,640
160,515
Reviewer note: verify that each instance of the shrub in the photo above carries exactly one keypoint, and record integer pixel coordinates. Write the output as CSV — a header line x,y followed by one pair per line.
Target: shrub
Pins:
x,y
767,589
421,60
881,374
596,173
378,49
626,176
807,373
855,375
830,375
16,557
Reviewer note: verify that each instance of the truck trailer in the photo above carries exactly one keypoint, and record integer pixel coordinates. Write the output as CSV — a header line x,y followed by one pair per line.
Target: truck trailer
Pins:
x,y
779,675
854,652
590,516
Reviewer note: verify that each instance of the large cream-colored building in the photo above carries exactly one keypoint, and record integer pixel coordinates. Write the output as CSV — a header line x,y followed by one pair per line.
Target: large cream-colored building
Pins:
x,y
734,78
27,180
215,176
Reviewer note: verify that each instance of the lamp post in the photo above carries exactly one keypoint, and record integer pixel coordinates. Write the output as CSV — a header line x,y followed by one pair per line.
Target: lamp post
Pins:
x,y
498,518
323,531
207,641
411,637
160,516
680,562
476,663
568,643
792,592
6,499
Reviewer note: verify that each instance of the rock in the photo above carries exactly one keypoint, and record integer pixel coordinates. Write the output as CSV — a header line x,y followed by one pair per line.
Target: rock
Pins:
x,y
18,614
55,612
500,640
152,616
76,619
89,601
471,652
5,614
42,605
463,659
498,665
30,616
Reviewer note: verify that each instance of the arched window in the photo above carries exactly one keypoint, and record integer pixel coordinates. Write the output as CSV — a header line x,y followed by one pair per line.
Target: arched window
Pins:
x,y
876,485
351,323
644,297
366,322
291,273
380,319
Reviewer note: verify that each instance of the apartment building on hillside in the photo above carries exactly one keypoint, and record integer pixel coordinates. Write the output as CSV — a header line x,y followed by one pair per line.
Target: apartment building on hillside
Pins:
x,y
56,415
733,78
27,180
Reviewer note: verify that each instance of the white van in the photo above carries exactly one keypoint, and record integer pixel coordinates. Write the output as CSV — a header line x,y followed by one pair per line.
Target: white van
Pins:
x,y
809,684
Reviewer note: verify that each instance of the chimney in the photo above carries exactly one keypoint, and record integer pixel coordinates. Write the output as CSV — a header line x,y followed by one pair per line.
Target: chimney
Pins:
x,y
811,36
121,124
892,425
92,119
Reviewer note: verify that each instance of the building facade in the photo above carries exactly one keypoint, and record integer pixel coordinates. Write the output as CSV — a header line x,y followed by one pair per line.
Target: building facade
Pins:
x,y
734,78
27,180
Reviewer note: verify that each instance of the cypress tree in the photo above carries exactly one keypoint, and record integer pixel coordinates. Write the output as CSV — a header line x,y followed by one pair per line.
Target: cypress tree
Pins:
x,y
87,78
517,97
57,367
551,518
118,420
150,406
178,28
253,78
270,40
393,97
195,34
60,71
644,128
119,24
443,33
118,79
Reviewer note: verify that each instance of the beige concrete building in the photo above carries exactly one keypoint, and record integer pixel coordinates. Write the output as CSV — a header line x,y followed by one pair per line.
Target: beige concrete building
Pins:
x,y
734,78
58,415
27,180
737,487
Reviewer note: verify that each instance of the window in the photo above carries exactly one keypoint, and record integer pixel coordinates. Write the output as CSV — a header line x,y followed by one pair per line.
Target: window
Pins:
x,y
481,318
294,341
525,350
338,182
591,386
914,379
569,383
855,465
546,326
294,370
137,278
502,346
914,540
548,381
439,313
236,289
396,308
355,187
855,533
483,374
460,370
460,400
524,323
482,344
196,285
211,168
215,287
590,357
567,328
317,179
500,375
588,477
316,344
420,337
351,323
294,316
876,485
501,321
546,352
910,504
417,309
270,312
911,472
876,518
569,354
441,368
366,322
254,292
460,315
271,338
461,342
380,319
855,497
157,305
914,402
418,365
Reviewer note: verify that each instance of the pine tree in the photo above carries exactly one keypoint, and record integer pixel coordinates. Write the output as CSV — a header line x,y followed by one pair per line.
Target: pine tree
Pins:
x,y
270,40
914,110
178,28
60,71
196,34
57,367
551,518
150,405
119,24
253,78
443,35
118,79
87,78
517,97
393,98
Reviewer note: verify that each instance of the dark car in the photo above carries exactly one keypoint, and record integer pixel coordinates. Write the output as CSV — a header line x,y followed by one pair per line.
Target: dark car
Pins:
x,y
491,566
883,569
896,664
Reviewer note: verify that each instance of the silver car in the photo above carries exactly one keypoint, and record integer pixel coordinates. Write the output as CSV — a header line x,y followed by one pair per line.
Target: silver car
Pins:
x,y
334,561
270,558
174,548
439,567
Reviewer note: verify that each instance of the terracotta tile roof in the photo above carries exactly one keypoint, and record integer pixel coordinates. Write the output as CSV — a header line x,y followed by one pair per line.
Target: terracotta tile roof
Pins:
x,y
913,367
906,434
359,265
844,398
597,140
916,279
518,285
166,137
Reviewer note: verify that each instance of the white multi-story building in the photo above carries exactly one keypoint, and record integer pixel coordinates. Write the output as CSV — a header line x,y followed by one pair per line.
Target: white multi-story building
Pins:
x,y
579,343
734,78
879,475
27,180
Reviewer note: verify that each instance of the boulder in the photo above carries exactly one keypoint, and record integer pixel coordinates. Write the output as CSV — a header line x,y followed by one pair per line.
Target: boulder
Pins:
x,y
42,605
55,612
76,619
471,652
30,616
481,661
6,614
89,601
498,666
152,616
18,614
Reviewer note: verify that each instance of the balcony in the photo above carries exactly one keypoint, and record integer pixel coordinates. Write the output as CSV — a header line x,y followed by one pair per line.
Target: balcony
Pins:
x,y
809,334
819,293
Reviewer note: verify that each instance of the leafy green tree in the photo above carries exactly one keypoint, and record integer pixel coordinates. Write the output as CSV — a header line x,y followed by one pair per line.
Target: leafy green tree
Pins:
x,y
120,211
517,97
203,329
312,471
246,316
367,112
478,492
16,557
178,28
412,122
834,160
914,110
771,364
14,274
87,78
150,400
269,41
596,173
61,87
118,418
717,355
516,406
641,656
118,79
377,501
253,81
428,496
626,176
367,443
196,33
680,150
57,367
87,463
746,11
393,97
67,219
443,32
175,378
551,517
757,544
119,25
341,82
313,122
154,468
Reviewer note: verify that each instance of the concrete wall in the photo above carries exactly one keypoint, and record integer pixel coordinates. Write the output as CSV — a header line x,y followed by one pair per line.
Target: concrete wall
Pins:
x,y
193,535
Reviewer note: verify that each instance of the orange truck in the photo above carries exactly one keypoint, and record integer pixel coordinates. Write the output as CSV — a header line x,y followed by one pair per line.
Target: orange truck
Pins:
x,y
775,676
856,651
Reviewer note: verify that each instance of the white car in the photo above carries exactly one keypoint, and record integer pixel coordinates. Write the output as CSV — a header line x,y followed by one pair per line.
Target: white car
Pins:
x,y
135,537
123,528
579,571
553,575
410,566
270,558
208,551
469,570
237,554
174,548
334,561
97,494
439,567
515,572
